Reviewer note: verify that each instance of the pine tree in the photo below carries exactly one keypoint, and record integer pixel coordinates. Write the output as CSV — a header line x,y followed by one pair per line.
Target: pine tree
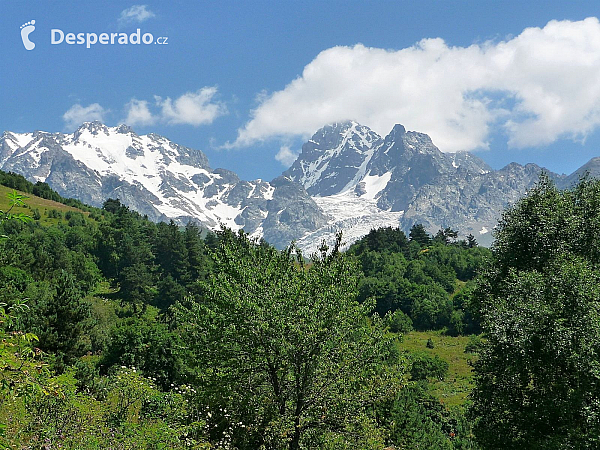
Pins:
x,y
58,317
419,234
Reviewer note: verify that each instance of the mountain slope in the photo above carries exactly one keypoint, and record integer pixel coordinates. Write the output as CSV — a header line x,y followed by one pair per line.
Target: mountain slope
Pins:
x,y
156,177
347,178
401,180
591,169
334,158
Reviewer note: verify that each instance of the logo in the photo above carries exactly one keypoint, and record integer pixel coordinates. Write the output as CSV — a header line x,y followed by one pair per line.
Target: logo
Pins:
x,y
58,36
26,30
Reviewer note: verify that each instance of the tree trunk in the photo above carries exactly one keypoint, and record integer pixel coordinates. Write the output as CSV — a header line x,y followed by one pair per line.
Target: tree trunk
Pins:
x,y
295,442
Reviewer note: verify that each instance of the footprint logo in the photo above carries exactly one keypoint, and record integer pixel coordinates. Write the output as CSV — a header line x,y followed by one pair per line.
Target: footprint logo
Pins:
x,y
26,30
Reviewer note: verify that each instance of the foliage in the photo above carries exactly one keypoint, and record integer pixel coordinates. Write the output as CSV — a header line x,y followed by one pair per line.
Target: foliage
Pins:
x,y
417,420
14,200
475,344
424,366
147,344
284,350
58,318
537,383
419,234
399,322
420,276
131,414
151,336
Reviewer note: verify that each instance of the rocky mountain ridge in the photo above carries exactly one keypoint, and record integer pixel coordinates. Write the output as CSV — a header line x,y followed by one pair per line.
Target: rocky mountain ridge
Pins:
x,y
403,179
346,177
159,178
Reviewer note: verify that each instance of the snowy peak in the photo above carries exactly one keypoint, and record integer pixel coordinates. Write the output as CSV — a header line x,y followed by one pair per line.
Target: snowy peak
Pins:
x,y
96,127
341,135
400,180
11,142
347,178
349,157
334,157
159,178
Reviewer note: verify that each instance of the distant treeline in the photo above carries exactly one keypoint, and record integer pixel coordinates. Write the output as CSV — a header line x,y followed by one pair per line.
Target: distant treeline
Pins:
x,y
421,281
40,189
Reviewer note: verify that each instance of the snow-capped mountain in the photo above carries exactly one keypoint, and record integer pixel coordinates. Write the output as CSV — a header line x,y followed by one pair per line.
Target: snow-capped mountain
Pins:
x,y
335,158
347,178
364,181
159,178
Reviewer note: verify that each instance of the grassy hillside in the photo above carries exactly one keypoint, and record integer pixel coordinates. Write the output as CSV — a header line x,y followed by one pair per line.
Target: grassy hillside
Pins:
x,y
32,203
459,382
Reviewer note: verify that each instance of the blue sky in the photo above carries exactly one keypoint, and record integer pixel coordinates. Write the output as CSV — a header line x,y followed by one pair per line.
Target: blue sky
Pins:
x,y
247,81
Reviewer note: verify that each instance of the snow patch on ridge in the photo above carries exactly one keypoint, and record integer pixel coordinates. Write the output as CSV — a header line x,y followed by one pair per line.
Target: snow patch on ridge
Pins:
x,y
374,184
21,139
354,216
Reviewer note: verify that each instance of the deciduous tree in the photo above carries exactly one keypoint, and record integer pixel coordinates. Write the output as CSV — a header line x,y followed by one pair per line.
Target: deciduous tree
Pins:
x,y
284,351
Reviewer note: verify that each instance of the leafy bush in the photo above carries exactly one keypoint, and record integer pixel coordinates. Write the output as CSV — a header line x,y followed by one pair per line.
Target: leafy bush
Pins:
x,y
399,322
474,345
424,366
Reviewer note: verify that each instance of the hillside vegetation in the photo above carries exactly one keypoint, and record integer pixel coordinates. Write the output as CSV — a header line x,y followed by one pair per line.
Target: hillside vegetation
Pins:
x,y
117,332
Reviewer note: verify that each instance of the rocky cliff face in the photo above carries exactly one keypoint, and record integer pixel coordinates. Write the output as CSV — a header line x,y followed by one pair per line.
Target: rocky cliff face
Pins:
x,y
401,180
347,178
158,178
335,158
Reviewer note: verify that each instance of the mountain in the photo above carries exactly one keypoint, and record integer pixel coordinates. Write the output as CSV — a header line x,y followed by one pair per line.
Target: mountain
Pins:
x,y
363,181
335,158
346,177
159,178
591,168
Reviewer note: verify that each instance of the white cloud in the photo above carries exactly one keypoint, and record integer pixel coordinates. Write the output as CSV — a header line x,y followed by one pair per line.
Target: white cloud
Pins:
x,y
135,14
193,108
538,86
138,113
78,114
285,156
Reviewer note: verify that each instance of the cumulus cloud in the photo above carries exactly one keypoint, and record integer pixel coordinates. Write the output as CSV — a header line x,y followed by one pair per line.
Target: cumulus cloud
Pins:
x,y
286,156
135,14
77,114
138,113
538,86
193,108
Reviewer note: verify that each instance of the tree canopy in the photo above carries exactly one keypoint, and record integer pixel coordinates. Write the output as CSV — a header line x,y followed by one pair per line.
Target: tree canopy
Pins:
x,y
537,379
284,352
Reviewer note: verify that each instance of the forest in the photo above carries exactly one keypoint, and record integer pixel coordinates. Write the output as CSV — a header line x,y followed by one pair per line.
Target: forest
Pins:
x,y
117,332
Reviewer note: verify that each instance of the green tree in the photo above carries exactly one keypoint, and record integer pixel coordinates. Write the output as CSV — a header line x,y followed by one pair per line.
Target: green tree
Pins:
x,y
198,261
424,366
537,382
471,241
137,287
170,251
58,318
283,349
419,234
146,344
446,235
417,420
